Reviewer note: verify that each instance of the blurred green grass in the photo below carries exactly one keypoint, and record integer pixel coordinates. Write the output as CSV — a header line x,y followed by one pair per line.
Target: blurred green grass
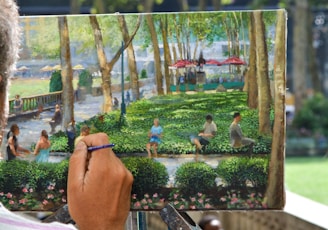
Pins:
x,y
308,177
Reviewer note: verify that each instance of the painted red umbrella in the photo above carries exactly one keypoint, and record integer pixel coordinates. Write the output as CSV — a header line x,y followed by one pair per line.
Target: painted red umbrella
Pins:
x,y
182,64
213,62
233,61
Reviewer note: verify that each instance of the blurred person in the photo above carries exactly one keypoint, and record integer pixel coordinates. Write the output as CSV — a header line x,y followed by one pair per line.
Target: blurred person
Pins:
x,y
155,134
13,148
42,148
85,131
18,104
56,119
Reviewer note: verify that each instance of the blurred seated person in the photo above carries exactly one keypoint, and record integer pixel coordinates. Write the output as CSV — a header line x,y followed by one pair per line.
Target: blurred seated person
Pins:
x,y
155,134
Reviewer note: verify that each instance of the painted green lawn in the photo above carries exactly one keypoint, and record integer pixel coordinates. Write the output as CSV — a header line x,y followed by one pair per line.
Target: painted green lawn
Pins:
x,y
308,176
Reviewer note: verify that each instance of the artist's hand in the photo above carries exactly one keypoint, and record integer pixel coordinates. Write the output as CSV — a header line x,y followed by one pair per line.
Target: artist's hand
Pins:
x,y
99,189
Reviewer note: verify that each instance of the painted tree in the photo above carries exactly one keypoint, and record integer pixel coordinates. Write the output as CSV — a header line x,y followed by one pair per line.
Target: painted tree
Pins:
x,y
275,193
105,66
66,72
167,54
9,48
250,78
134,79
262,73
157,57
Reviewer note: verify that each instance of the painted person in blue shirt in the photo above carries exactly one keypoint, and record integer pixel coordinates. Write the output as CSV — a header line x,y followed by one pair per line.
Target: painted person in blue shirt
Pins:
x,y
155,134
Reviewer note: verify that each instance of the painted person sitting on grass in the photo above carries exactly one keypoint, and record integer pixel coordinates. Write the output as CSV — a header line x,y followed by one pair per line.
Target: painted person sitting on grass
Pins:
x,y
155,134
205,135
237,138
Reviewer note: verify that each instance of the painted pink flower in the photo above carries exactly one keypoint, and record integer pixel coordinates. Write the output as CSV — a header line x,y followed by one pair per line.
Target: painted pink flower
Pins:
x,y
1,193
146,207
199,194
134,196
223,199
208,206
155,195
175,196
11,202
143,201
50,196
137,204
63,200
45,202
22,201
31,190
176,202
182,206
9,195
193,199
200,200
192,207
146,195
150,201
24,190
162,200
252,195
51,187
61,190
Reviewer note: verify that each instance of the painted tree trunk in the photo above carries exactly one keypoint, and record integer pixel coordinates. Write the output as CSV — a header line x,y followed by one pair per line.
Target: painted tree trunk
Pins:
x,y
262,73
157,58
105,69
134,79
9,40
250,78
275,194
66,72
167,54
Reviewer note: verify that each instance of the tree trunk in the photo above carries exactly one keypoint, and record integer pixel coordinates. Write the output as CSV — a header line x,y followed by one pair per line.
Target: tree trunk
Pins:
x,y
275,193
216,5
313,66
104,68
100,6
250,78
262,74
167,54
9,40
134,79
184,5
66,72
75,6
148,5
177,34
157,57
201,5
300,55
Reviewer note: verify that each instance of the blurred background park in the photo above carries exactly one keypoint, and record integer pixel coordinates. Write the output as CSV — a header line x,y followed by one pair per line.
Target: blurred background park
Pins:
x,y
306,168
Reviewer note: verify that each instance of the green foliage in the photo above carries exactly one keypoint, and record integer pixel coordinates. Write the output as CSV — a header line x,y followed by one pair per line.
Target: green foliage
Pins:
x,y
313,115
238,171
18,174
59,142
194,177
149,175
180,116
56,83
143,74
85,80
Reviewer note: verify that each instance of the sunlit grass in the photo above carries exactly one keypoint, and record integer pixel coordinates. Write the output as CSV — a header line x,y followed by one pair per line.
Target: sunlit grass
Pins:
x,y
35,86
308,177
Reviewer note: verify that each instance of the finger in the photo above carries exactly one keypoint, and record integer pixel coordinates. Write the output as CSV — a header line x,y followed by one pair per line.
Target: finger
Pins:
x,y
77,167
